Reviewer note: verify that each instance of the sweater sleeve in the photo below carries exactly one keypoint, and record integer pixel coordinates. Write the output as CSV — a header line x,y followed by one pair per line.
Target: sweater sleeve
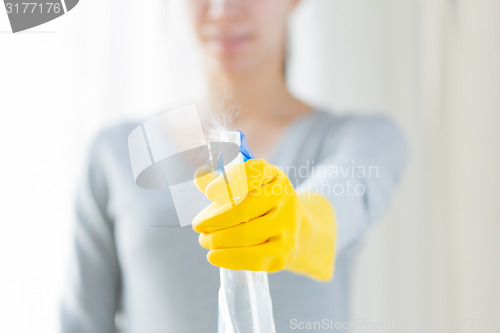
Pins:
x,y
91,295
362,162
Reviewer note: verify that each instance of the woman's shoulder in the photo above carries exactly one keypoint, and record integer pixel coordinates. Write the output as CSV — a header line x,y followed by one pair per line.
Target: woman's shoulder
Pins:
x,y
370,131
354,119
363,124
115,133
110,143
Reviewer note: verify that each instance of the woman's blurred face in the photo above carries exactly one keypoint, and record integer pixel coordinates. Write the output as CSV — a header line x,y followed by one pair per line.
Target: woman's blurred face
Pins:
x,y
240,35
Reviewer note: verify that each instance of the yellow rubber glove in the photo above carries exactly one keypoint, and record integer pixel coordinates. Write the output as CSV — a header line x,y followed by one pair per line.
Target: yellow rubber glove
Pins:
x,y
271,228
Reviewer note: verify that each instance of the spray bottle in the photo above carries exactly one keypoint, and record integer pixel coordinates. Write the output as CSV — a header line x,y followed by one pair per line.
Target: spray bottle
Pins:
x,y
244,300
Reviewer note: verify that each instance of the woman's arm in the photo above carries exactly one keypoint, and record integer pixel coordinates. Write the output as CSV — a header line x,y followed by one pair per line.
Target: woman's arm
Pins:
x,y
274,227
92,292
360,167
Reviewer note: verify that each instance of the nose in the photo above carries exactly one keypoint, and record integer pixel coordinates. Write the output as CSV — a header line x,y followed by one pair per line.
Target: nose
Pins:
x,y
223,9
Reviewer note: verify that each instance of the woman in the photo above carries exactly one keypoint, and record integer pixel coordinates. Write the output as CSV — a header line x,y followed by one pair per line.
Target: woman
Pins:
x,y
160,278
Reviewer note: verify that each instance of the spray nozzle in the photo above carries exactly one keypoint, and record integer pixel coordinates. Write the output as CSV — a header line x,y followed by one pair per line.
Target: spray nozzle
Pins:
x,y
236,137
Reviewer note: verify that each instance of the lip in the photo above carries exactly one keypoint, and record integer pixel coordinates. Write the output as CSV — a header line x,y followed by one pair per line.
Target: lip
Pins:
x,y
229,43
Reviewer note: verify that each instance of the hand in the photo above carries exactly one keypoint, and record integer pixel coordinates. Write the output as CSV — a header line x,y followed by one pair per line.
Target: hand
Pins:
x,y
272,228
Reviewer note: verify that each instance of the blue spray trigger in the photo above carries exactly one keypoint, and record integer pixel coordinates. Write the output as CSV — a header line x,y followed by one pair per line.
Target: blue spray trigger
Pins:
x,y
244,149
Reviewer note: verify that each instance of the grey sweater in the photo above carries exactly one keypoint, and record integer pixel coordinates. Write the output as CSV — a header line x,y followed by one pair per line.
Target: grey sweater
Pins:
x,y
158,278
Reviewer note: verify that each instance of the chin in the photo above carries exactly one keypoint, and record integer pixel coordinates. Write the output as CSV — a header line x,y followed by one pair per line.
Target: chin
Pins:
x,y
233,63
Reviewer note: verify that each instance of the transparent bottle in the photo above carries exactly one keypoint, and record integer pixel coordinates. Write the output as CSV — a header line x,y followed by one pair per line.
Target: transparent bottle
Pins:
x,y
245,304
